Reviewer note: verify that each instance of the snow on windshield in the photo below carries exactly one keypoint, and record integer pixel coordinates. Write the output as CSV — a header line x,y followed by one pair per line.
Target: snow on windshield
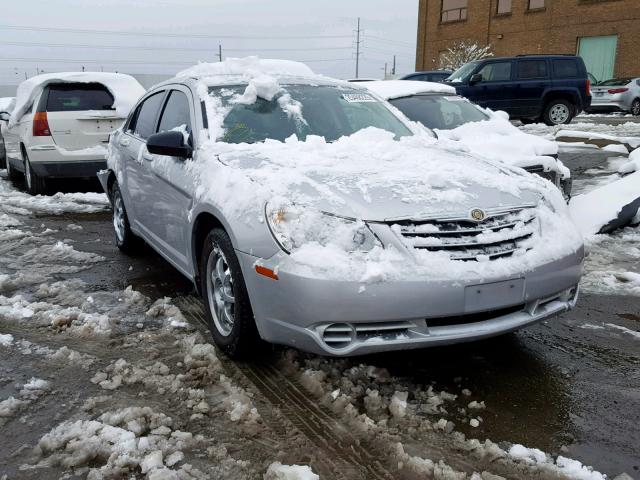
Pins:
x,y
389,89
125,89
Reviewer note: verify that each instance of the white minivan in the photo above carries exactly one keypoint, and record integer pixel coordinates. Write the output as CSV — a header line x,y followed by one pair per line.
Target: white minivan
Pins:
x,y
60,124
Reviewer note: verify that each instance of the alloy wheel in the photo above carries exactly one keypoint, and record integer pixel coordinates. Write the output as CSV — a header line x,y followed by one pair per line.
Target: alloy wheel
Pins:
x,y
635,108
27,173
559,114
119,217
220,292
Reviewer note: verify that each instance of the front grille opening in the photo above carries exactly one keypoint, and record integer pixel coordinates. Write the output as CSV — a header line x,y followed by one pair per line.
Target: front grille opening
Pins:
x,y
472,317
341,335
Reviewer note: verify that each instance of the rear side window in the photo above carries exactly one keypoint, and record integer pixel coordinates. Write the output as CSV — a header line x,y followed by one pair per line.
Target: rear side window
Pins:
x,y
565,68
76,97
529,69
176,113
146,115
496,72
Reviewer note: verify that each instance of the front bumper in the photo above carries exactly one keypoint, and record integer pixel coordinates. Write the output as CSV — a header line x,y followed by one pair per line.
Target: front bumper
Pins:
x,y
341,318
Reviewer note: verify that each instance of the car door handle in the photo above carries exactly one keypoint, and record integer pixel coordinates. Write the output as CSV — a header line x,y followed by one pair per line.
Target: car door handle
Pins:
x,y
147,156
125,142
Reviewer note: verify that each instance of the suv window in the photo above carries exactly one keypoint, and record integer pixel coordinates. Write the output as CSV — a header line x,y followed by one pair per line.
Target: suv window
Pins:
x,y
76,97
496,72
565,68
528,69
176,113
144,123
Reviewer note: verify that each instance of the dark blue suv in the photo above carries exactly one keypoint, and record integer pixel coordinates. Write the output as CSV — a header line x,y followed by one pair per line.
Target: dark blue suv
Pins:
x,y
548,88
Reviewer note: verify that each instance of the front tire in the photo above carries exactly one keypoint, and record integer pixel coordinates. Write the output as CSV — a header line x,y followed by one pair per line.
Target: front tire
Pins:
x,y
558,112
127,241
36,185
225,296
635,107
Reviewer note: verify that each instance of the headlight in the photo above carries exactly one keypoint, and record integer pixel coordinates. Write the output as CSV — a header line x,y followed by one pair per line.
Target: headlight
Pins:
x,y
293,226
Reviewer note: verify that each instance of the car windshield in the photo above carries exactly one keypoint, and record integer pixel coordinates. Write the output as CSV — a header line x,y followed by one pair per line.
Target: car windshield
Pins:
x,y
463,73
443,112
615,82
302,110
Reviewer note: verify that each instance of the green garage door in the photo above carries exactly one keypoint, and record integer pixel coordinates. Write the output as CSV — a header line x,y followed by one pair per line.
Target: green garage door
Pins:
x,y
599,55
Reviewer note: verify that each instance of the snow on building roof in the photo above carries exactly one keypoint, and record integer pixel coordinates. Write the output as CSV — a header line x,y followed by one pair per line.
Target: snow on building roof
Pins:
x,y
125,89
389,89
248,67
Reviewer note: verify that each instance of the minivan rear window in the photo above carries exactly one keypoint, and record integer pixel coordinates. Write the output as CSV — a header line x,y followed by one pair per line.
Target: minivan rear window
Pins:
x,y
75,97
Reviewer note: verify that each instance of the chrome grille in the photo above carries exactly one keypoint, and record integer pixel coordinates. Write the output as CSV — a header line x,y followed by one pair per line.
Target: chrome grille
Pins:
x,y
341,335
503,233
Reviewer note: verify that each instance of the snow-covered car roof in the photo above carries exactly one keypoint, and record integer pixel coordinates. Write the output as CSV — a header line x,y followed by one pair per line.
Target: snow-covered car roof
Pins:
x,y
389,89
125,89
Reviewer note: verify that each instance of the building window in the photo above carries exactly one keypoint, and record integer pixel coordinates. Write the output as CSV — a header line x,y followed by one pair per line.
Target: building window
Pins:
x,y
504,6
536,4
453,10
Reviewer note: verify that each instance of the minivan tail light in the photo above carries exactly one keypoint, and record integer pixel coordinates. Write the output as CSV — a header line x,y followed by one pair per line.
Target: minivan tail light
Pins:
x,y
41,125
613,91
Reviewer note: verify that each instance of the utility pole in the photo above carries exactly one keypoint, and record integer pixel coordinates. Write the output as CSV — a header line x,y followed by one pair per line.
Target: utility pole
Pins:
x,y
358,49
220,53
83,68
385,71
393,70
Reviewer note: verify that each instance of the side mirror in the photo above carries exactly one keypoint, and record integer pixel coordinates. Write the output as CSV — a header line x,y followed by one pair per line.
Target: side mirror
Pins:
x,y
5,116
475,78
170,143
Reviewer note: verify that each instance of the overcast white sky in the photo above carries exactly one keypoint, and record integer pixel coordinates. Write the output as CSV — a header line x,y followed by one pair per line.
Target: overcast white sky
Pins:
x,y
321,33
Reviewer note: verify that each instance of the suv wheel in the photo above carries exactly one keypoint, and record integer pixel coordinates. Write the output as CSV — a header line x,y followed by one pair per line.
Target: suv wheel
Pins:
x,y
229,313
127,241
558,112
635,107
36,185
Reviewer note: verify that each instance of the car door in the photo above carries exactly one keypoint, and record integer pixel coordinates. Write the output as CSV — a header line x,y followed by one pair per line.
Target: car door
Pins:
x,y
170,199
15,135
532,77
132,146
495,90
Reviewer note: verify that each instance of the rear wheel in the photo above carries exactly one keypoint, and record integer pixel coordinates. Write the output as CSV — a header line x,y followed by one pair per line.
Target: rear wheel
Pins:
x,y
558,112
36,185
635,107
126,240
229,312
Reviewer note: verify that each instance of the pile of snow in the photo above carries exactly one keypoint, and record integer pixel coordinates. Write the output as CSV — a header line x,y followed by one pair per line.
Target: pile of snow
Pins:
x,y
562,466
248,67
390,89
607,208
29,392
625,133
278,471
125,90
633,165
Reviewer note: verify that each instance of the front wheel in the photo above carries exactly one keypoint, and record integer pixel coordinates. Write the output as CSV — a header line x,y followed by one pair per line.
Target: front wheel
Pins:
x,y
228,309
558,112
635,107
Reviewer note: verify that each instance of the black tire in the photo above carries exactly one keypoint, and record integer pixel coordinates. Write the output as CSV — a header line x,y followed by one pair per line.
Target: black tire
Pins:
x,y
35,184
635,107
127,241
12,174
527,121
558,112
3,158
240,339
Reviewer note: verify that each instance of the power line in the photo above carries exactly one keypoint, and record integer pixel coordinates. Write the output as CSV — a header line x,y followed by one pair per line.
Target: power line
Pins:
x,y
171,35
382,39
189,49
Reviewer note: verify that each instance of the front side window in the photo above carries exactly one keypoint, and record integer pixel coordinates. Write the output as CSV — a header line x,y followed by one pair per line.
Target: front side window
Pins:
x,y
303,110
536,4
442,112
496,72
463,73
453,10
531,69
504,6
176,114
77,97
145,123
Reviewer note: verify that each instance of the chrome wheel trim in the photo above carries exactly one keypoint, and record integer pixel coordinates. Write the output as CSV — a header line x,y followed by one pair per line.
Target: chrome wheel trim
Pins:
x,y
220,292
118,217
559,113
27,172
635,108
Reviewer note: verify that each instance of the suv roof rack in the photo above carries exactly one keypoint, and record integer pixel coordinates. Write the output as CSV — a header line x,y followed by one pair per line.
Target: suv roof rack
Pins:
x,y
546,55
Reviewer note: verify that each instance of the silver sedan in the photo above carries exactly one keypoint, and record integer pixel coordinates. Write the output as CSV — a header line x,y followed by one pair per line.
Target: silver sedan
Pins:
x,y
617,95
308,212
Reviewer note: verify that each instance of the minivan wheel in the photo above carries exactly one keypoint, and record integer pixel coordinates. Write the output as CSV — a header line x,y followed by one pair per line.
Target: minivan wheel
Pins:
x,y
225,296
635,107
558,112
126,240
36,185
12,174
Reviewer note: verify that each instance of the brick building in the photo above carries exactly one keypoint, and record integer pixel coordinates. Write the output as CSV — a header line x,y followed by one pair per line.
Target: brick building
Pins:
x,y
606,33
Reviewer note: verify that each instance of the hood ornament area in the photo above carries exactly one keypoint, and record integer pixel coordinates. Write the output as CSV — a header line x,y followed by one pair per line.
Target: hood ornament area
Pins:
x,y
478,215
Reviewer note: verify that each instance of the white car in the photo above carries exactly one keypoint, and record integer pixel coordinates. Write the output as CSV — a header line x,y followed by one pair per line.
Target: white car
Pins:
x,y
483,132
59,125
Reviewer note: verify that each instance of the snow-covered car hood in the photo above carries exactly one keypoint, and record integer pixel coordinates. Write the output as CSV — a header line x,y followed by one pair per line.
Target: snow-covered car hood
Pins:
x,y
368,175
498,139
